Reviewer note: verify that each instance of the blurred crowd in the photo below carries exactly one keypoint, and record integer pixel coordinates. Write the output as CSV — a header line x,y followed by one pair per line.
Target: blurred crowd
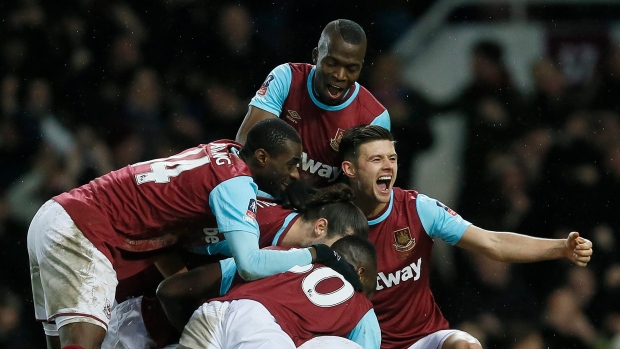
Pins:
x,y
88,87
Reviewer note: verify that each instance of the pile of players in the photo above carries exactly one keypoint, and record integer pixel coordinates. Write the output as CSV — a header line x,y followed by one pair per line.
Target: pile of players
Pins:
x,y
293,235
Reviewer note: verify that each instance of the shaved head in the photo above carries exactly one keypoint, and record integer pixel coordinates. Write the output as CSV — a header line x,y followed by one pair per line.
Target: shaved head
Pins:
x,y
347,30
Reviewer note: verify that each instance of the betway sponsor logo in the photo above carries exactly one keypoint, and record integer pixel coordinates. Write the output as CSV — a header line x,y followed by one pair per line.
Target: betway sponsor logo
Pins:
x,y
319,168
412,271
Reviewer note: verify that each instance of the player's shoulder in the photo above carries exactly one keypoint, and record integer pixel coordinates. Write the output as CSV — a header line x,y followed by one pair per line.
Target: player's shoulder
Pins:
x,y
368,100
303,68
404,195
225,160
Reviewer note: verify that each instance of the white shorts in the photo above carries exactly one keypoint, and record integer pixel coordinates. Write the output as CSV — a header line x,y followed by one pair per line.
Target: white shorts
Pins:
x,y
330,342
434,340
72,281
127,329
236,324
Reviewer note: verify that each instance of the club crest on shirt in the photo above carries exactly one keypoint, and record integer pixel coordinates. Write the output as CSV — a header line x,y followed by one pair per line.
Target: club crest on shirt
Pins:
x,y
107,309
293,116
263,88
335,142
403,241
448,209
250,214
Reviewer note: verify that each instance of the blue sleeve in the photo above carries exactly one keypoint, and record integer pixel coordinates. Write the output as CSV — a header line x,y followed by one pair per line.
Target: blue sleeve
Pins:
x,y
367,332
254,263
229,271
272,94
383,120
439,220
213,249
233,202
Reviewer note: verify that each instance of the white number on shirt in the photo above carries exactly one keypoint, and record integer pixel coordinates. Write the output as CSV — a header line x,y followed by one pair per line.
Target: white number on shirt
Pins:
x,y
324,300
163,169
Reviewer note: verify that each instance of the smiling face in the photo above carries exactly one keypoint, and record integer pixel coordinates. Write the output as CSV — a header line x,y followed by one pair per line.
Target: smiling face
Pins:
x,y
372,175
278,171
338,66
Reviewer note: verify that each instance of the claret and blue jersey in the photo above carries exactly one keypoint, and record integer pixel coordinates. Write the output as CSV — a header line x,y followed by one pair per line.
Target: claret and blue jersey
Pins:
x,y
404,233
287,93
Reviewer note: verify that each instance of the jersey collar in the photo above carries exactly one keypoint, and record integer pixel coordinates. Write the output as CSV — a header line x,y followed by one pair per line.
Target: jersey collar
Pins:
x,y
341,106
385,213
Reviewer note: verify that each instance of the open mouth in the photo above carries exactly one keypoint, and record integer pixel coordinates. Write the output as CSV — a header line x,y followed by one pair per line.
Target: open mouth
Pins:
x,y
334,92
383,184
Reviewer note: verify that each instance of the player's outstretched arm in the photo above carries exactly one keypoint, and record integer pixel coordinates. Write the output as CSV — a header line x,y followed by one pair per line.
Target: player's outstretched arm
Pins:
x,y
254,263
182,293
253,116
170,264
519,248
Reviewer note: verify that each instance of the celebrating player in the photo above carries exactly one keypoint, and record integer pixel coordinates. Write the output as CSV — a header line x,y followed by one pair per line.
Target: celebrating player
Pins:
x,y
288,309
82,241
403,224
321,101
329,216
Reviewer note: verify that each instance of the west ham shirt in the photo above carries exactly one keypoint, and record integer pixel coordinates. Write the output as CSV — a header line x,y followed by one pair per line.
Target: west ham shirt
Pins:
x,y
287,93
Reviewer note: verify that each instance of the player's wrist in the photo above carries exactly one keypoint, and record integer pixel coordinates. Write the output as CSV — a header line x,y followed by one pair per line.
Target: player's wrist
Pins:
x,y
313,253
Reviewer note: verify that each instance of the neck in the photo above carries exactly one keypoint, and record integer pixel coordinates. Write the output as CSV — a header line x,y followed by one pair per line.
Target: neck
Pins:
x,y
369,206
296,234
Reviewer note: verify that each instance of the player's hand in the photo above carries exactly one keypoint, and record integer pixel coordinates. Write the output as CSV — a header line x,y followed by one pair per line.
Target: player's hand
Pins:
x,y
330,258
297,195
579,250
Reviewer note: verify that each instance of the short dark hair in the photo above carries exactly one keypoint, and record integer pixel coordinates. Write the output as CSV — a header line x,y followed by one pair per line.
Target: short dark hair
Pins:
x,y
356,250
270,134
355,136
334,204
350,32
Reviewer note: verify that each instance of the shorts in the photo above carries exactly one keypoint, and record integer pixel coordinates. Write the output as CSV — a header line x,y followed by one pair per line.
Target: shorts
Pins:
x,y
72,281
434,340
330,342
233,324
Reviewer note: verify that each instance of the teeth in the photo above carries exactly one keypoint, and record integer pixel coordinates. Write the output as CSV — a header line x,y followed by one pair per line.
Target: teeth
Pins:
x,y
385,178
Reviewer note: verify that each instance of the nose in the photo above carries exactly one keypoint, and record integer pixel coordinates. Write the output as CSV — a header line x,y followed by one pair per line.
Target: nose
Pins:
x,y
340,74
295,173
388,164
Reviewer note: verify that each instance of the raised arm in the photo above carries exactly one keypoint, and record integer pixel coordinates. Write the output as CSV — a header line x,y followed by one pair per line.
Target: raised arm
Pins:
x,y
253,116
518,248
268,101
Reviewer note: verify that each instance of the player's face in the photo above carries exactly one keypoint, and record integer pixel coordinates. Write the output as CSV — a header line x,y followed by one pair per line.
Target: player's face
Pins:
x,y
280,170
375,170
338,65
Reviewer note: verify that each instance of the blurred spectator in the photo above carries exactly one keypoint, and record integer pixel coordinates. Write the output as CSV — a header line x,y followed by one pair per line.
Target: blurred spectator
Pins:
x,y
12,333
409,113
602,94
552,100
565,324
143,110
493,107
237,64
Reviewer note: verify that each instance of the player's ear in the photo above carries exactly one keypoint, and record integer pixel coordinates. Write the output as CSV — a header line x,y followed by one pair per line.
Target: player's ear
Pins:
x,y
348,169
261,156
320,227
315,55
360,271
